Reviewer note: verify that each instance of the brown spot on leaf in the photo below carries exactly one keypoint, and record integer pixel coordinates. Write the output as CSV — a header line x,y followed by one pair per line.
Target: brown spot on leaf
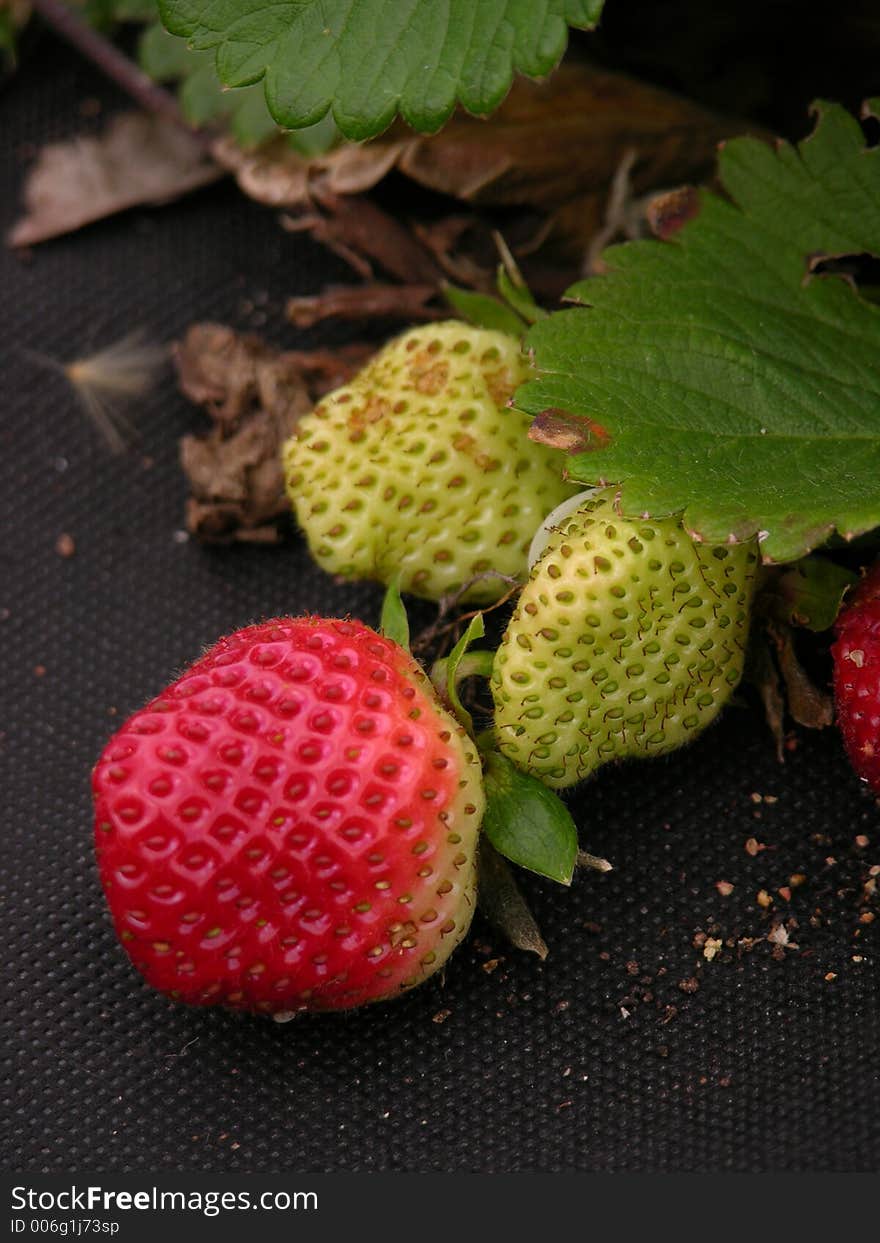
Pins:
x,y
572,433
667,213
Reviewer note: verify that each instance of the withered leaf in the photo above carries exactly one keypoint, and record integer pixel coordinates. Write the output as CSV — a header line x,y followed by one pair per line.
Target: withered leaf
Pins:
x,y
372,301
137,159
359,230
254,395
278,176
553,146
237,486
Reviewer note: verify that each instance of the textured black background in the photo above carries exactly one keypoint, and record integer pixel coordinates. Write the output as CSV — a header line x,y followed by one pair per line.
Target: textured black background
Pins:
x,y
597,1060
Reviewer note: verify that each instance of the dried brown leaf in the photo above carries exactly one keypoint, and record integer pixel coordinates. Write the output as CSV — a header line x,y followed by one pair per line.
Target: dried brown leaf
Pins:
x,y
137,159
217,368
254,395
552,146
358,224
560,142
278,176
464,248
373,301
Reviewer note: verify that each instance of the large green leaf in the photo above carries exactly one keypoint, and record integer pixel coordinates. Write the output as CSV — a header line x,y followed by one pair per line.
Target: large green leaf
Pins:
x,y
204,101
369,59
719,375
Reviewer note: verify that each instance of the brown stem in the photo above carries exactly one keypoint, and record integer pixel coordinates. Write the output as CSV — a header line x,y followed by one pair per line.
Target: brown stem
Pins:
x,y
110,61
598,864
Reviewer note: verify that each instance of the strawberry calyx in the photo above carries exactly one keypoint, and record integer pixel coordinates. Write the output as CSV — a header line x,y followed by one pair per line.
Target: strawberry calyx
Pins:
x,y
513,311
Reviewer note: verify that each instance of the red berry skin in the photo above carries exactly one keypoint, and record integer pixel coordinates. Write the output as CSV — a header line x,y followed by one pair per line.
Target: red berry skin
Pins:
x,y
291,825
856,657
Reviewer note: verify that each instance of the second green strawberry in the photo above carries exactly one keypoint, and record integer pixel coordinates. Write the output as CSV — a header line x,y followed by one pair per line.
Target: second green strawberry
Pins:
x,y
627,640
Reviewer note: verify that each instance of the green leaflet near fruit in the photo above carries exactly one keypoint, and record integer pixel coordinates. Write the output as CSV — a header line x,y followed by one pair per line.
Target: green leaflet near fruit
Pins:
x,y
627,641
419,468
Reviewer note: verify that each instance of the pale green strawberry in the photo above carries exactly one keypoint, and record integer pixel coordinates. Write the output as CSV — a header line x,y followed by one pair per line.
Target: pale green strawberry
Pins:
x,y
418,466
627,640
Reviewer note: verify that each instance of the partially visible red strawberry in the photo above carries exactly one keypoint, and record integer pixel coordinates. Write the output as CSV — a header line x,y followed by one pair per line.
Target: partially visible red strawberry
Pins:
x,y
292,824
856,655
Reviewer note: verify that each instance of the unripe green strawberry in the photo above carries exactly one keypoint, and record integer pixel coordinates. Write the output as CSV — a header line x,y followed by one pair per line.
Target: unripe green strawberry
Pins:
x,y
627,640
419,467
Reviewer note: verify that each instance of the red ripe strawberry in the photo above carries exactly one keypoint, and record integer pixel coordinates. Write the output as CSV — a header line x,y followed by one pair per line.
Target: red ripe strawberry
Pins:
x,y
292,824
856,655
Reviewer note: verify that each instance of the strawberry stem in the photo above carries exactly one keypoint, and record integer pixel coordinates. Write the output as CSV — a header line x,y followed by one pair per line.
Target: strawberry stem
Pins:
x,y
112,63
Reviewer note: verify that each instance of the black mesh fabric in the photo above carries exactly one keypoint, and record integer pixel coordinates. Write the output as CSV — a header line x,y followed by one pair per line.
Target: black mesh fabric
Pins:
x,y
629,1049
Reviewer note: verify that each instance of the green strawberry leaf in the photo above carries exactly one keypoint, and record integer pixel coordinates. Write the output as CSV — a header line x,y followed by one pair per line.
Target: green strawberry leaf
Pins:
x,y
717,374
164,58
526,822
204,101
394,622
808,593
370,59
135,10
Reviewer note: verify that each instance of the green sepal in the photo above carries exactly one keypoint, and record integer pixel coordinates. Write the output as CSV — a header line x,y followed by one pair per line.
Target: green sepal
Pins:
x,y
512,285
394,622
525,821
485,311
809,593
447,673
501,901
519,298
